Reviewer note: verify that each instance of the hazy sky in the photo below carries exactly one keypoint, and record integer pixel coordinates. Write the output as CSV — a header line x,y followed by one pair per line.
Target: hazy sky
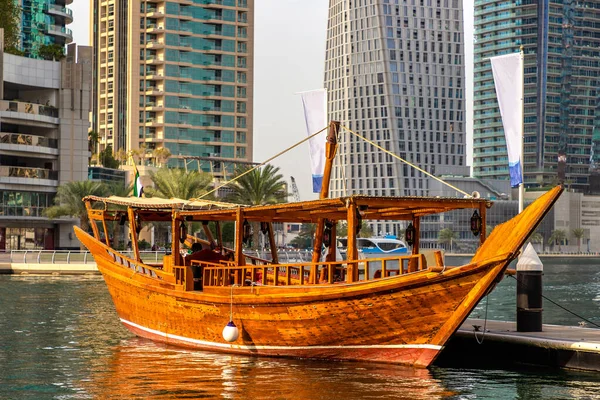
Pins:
x,y
289,46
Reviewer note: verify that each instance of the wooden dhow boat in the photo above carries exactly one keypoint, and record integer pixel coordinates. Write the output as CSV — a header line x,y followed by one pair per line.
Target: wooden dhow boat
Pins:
x,y
326,308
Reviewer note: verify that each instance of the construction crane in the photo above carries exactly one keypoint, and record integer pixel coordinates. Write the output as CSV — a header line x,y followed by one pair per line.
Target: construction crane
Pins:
x,y
295,189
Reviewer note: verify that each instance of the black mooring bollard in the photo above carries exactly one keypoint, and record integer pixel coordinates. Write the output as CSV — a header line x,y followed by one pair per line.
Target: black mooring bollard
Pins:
x,y
529,292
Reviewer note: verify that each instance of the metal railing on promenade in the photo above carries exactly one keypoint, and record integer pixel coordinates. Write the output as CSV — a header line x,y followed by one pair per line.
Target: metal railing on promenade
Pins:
x,y
85,257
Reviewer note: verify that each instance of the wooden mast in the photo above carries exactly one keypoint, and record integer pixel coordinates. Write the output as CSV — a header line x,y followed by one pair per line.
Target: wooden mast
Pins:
x,y
330,150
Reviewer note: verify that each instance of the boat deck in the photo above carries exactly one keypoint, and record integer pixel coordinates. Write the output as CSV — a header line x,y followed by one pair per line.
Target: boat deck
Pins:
x,y
556,346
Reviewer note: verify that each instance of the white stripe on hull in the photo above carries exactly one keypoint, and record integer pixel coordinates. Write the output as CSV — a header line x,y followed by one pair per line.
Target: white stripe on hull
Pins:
x,y
254,347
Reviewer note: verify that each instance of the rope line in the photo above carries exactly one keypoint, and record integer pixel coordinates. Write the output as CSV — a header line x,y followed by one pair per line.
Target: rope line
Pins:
x,y
484,321
406,162
559,306
260,165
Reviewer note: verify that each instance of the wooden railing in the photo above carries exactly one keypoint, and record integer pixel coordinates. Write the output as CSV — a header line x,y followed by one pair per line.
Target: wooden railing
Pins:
x,y
298,273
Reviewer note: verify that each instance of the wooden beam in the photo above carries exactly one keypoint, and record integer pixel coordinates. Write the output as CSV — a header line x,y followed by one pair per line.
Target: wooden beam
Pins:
x,y
240,259
352,251
133,233
272,243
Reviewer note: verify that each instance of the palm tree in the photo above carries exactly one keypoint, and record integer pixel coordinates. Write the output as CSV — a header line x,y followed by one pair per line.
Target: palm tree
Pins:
x,y
558,236
161,155
93,139
578,234
537,237
446,236
178,183
258,186
68,200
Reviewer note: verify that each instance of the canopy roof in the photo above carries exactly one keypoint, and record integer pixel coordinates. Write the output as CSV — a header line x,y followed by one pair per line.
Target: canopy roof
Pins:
x,y
155,203
371,208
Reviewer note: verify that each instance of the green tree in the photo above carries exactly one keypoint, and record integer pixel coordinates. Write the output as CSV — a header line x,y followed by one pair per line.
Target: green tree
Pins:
x,y
305,237
9,21
51,52
93,139
260,186
161,155
537,237
178,183
342,230
68,201
447,236
578,234
558,236
107,159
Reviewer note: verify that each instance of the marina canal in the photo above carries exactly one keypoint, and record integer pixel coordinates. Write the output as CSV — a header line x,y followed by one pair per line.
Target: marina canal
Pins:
x,y
60,338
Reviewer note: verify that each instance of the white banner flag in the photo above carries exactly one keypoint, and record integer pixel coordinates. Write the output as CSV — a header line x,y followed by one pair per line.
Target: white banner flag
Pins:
x,y
315,116
508,79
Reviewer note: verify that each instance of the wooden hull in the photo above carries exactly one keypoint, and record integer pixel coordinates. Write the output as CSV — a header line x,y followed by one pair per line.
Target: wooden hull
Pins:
x,y
403,319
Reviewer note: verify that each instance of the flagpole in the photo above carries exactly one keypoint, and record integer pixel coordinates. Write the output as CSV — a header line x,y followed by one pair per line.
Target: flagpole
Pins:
x,y
522,185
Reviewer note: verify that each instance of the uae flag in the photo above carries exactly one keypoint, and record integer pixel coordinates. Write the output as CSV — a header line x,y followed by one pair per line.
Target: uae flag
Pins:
x,y
138,188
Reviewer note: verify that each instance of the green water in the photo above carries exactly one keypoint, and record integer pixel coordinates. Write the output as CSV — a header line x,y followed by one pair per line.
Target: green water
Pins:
x,y
60,338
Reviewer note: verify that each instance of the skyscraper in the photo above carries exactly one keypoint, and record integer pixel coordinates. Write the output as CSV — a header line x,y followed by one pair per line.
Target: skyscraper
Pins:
x,y
561,43
394,71
174,75
43,22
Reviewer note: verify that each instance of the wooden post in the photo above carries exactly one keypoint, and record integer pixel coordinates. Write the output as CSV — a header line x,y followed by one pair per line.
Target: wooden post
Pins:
x,y
219,235
134,235
482,213
208,233
352,252
175,240
240,259
330,150
272,244
417,225
93,223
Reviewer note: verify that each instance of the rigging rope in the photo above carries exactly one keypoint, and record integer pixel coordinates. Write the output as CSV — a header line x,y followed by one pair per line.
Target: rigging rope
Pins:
x,y
406,162
484,321
259,165
558,305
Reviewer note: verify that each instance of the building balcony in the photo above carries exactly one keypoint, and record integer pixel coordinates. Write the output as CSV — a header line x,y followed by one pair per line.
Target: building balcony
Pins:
x,y
155,44
61,14
28,143
152,28
154,13
155,77
29,111
28,175
154,107
60,32
154,60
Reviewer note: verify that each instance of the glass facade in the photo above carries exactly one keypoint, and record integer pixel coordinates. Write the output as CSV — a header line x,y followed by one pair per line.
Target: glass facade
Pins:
x,y
193,66
43,23
560,41
24,204
394,72
26,239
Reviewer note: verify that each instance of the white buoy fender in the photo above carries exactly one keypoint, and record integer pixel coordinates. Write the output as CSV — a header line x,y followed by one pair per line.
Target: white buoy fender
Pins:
x,y
230,332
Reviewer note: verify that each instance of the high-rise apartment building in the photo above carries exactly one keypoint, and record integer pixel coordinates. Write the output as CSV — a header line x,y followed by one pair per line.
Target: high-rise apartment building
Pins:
x,y
44,121
174,74
561,43
395,73
43,22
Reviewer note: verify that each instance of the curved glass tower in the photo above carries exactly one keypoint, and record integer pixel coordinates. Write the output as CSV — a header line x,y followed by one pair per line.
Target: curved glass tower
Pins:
x,y
43,22
561,42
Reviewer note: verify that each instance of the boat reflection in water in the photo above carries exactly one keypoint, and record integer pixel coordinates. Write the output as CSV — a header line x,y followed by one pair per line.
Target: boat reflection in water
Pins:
x,y
139,368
